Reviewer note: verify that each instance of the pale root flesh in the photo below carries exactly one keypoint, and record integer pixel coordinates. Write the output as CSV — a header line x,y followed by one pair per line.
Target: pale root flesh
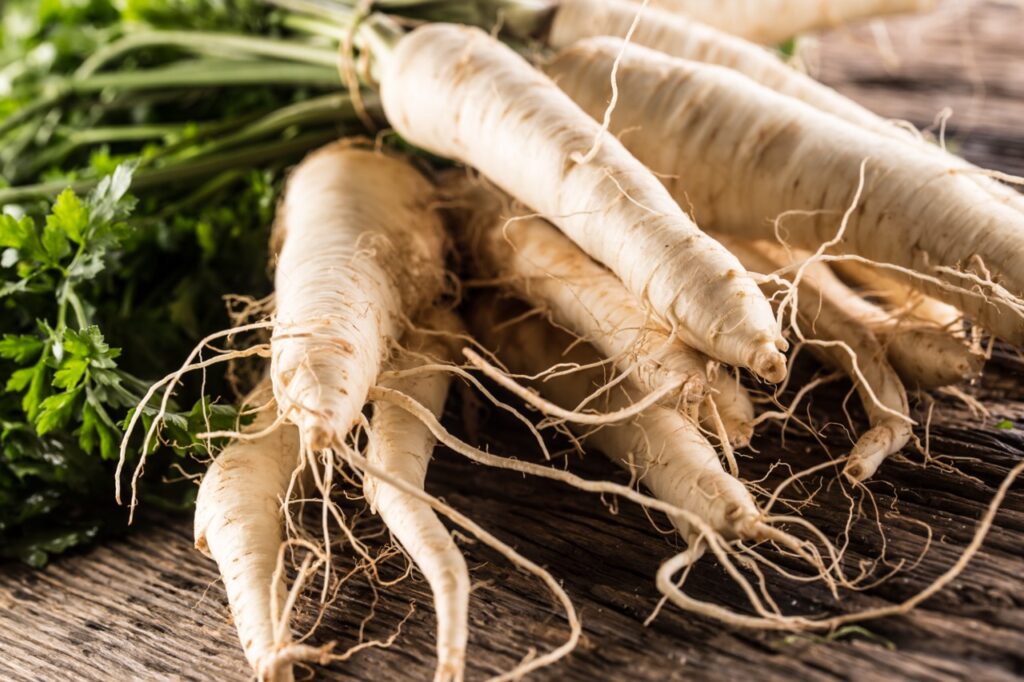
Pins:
x,y
401,446
239,523
459,93
359,246
735,410
846,343
678,36
542,266
772,21
662,448
755,163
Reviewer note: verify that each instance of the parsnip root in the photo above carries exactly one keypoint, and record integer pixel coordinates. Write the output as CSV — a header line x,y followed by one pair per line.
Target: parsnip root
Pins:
x,y
458,92
358,247
239,523
772,21
544,267
401,446
759,165
843,341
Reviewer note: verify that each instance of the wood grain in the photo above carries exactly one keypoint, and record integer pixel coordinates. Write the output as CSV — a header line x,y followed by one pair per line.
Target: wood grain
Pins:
x,y
149,607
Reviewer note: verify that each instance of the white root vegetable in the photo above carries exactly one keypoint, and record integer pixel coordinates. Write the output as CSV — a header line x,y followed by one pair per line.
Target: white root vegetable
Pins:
x,y
677,36
773,21
845,342
926,356
902,298
359,248
735,410
746,158
401,446
662,447
680,37
544,267
239,523
458,92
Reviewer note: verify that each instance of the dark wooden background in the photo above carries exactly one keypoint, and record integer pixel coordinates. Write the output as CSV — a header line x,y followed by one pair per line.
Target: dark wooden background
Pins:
x,y
150,607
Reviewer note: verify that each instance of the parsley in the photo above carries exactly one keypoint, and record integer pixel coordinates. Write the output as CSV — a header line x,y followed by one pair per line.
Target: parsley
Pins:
x,y
65,395
127,214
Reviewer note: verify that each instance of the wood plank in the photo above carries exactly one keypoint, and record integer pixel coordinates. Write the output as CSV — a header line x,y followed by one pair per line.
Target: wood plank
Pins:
x,y
149,607
966,56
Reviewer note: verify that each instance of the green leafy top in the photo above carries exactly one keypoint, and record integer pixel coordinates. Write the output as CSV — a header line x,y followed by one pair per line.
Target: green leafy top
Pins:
x,y
65,396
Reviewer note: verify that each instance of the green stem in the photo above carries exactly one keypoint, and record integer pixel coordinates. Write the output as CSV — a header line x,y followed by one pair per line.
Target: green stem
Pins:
x,y
204,132
204,42
381,35
101,411
76,306
219,182
317,27
83,138
230,74
39,105
338,12
187,171
14,149
326,109
132,133
523,19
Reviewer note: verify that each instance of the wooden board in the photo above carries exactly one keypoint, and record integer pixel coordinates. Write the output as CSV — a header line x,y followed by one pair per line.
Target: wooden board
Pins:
x,y
150,607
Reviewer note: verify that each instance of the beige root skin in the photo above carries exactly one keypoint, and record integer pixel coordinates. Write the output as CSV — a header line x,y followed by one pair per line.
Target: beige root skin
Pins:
x,y
757,164
359,247
459,93
401,446
679,37
735,409
771,22
925,356
542,266
843,341
664,449
899,296
239,523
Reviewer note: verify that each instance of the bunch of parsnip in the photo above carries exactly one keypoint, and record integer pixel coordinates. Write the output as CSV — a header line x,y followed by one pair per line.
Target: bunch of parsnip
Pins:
x,y
680,206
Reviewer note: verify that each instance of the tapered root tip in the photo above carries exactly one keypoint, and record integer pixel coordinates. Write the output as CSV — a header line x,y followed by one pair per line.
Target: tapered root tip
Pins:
x,y
318,435
742,436
972,367
278,666
871,450
452,668
769,363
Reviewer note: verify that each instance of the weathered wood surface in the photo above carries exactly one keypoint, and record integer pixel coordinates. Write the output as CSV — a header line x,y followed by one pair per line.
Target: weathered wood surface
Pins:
x,y
150,607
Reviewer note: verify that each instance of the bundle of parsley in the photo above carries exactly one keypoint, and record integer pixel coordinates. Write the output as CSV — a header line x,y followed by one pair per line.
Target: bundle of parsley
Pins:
x,y
142,147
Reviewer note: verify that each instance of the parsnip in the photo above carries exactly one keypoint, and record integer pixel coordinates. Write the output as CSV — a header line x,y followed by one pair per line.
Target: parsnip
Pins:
x,y
874,282
239,523
678,36
772,21
359,247
735,409
458,92
401,446
845,342
925,355
744,156
664,449
544,267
